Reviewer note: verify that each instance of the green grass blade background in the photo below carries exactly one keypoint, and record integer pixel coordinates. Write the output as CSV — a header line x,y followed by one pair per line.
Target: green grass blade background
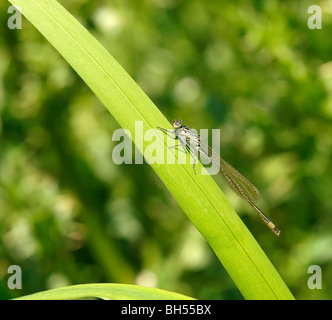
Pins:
x,y
205,205
111,291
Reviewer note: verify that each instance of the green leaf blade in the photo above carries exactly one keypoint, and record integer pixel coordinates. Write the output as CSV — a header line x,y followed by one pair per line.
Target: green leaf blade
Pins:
x,y
110,291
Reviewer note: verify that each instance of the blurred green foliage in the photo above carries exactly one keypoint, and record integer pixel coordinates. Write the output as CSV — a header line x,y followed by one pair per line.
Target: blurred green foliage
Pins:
x,y
69,215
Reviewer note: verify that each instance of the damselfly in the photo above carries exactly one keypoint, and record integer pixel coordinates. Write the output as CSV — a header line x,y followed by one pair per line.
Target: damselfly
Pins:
x,y
190,140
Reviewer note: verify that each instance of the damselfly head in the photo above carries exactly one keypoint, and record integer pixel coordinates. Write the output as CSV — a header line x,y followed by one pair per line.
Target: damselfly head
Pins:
x,y
177,124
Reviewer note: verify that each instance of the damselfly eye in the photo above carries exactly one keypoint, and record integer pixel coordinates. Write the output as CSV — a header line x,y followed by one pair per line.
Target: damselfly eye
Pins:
x,y
177,124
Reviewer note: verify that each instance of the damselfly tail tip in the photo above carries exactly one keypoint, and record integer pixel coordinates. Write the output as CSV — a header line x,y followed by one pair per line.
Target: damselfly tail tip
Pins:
x,y
273,228
276,231
269,223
